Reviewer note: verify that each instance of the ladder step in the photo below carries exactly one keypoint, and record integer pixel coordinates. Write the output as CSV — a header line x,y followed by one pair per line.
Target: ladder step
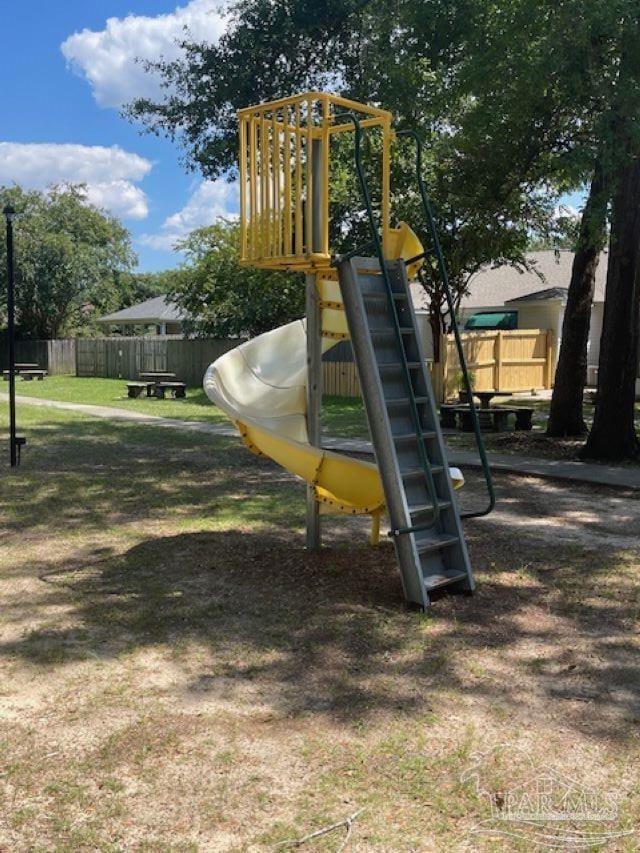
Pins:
x,y
419,472
425,544
377,296
408,436
397,401
416,508
435,581
379,333
394,365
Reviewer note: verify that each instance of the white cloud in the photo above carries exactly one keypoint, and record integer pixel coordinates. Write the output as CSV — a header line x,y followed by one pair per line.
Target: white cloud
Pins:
x,y
120,197
211,200
108,58
109,173
565,211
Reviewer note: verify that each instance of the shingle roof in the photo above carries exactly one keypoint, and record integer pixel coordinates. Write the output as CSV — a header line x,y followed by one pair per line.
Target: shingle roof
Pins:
x,y
156,310
490,287
542,295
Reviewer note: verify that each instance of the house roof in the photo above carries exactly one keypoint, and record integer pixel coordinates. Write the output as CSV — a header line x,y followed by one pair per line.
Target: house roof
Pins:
x,y
546,295
493,286
156,310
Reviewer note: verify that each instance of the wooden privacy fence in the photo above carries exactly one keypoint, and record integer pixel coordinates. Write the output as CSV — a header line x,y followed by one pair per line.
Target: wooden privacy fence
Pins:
x,y
340,379
56,357
500,361
126,358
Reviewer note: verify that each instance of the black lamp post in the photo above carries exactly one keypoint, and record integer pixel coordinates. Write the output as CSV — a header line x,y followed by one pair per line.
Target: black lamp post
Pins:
x,y
13,444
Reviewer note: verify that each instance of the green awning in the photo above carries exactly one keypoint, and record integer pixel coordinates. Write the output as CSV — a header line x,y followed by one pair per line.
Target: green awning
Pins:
x,y
493,320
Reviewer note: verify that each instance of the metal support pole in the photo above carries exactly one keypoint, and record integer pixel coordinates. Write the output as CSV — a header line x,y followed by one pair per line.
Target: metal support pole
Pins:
x,y
9,212
314,401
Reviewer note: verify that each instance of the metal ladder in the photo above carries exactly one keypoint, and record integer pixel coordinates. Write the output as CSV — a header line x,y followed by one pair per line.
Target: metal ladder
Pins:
x,y
429,542
402,414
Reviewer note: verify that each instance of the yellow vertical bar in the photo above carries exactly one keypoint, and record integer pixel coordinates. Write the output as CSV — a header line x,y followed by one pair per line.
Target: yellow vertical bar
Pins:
x,y
264,190
326,121
308,211
275,161
253,176
270,193
386,185
243,189
286,167
298,166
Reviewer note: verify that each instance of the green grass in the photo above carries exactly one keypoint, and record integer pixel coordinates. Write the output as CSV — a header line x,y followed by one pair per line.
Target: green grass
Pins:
x,y
112,392
341,416
344,416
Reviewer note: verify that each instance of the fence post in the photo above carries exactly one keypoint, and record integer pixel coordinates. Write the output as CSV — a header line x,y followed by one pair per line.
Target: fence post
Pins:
x,y
551,357
497,358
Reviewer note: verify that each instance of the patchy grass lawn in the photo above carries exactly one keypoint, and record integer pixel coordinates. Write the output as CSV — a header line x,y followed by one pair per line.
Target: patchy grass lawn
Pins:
x,y
196,406
177,673
345,417
342,416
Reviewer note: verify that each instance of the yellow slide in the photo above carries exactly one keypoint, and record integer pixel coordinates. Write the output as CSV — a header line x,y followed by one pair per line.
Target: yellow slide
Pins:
x,y
261,386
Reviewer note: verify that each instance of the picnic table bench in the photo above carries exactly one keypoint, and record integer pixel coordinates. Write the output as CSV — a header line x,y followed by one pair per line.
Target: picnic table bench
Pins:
x,y
496,417
490,417
156,387
25,374
176,389
135,389
157,376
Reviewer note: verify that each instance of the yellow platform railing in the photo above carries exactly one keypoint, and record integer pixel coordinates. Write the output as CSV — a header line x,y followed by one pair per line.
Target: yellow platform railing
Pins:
x,y
285,173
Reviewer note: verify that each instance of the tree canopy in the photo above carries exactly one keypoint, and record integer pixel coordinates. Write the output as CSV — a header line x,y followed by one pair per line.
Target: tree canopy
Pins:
x,y
518,100
69,256
407,57
230,300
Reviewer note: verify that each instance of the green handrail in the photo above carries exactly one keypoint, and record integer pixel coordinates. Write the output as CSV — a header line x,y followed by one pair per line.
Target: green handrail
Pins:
x,y
415,416
442,268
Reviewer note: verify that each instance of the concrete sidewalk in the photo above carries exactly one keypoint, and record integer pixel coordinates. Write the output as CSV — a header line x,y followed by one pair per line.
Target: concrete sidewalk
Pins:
x,y
625,477
620,477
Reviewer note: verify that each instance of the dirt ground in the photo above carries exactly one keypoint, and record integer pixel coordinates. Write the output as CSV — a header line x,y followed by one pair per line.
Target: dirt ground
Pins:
x,y
177,673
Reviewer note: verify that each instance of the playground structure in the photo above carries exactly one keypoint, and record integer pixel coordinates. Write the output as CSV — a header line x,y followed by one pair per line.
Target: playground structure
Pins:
x,y
271,386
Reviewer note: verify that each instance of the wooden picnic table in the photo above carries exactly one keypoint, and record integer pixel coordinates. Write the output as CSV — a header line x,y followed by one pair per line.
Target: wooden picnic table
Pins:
x,y
157,376
485,397
25,374
27,365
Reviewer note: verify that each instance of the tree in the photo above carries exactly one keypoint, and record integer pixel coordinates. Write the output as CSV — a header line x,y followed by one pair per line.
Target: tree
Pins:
x,y
68,256
230,300
613,434
566,415
407,57
134,287
513,96
580,58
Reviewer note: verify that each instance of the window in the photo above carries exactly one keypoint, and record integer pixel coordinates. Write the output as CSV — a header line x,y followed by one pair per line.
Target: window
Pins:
x,y
492,320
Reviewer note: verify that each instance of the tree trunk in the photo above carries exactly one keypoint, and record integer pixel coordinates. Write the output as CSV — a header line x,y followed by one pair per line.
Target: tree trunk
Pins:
x,y
613,435
437,327
565,416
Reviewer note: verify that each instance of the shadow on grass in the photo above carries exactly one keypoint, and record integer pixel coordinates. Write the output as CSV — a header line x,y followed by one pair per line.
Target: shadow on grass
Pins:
x,y
328,632
319,633
81,473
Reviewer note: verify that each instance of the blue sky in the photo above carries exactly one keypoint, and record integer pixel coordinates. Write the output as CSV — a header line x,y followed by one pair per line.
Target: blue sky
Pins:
x,y
67,69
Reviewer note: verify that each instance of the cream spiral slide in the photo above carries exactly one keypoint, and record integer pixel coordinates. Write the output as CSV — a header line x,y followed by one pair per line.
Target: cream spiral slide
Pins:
x,y
261,386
